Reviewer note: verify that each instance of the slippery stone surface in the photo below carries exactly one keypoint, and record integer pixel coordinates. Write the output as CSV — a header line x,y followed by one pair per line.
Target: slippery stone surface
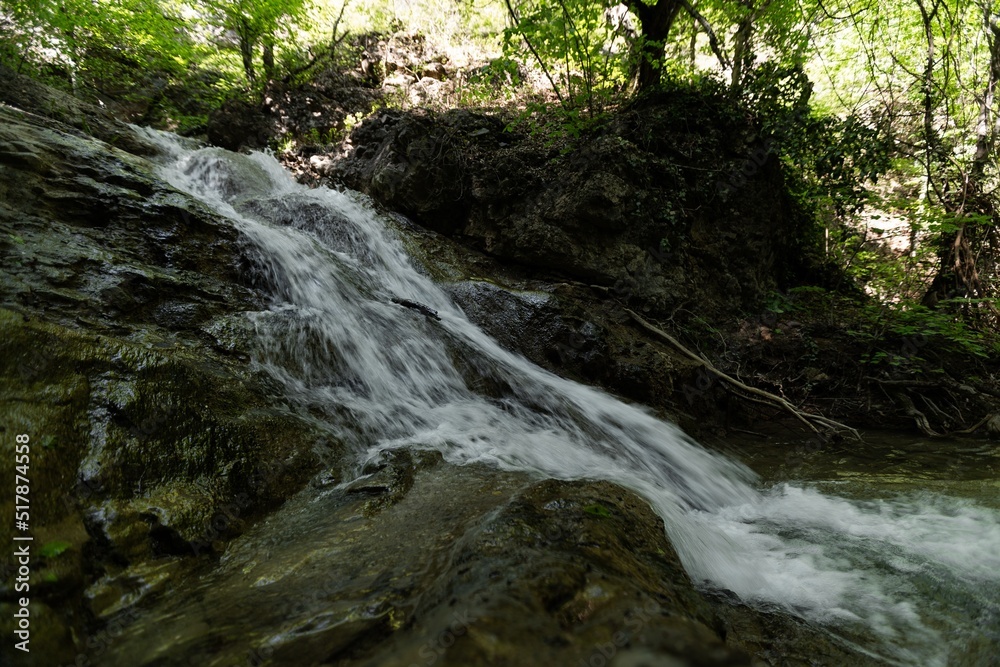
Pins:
x,y
151,435
57,109
462,565
573,331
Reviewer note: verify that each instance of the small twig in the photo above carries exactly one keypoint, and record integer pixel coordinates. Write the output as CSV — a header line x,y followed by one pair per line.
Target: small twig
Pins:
x,y
517,22
742,430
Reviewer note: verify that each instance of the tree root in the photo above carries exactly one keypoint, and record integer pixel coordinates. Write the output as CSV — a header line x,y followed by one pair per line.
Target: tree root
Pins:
x,y
812,421
897,390
990,421
919,417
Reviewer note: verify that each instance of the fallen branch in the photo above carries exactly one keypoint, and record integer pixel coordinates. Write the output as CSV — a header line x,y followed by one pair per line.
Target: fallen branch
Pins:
x,y
809,419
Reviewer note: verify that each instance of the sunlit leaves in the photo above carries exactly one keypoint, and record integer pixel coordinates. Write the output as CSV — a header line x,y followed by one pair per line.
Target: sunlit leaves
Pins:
x,y
578,42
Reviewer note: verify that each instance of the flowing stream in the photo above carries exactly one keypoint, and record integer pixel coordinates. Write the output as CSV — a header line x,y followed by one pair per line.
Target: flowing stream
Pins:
x,y
914,576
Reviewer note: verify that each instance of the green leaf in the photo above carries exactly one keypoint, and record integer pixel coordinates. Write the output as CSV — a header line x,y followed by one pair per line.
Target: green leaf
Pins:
x,y
54,548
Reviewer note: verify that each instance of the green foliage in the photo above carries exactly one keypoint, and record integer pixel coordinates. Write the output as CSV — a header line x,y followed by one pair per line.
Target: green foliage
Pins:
x,y
160,61
836,159
147,57
255,23
809,302
109,45
905,335
582,53
54,548
555,127
498,73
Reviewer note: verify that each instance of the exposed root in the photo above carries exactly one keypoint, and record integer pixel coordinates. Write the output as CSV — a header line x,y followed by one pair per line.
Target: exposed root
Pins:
x,y
918,417
990,421
812,421
953,392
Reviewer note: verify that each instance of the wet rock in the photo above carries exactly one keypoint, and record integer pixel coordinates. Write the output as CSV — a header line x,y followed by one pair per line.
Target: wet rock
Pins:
x,y
414,165
125,355
124,352
776,638
469,566
50,640
58,109
573,330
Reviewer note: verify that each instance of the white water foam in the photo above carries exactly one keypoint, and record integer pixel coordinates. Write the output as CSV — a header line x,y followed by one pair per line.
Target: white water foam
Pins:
x,y
393,378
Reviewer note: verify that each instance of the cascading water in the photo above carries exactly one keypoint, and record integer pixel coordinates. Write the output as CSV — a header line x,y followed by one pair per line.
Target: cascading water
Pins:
x,y
390,377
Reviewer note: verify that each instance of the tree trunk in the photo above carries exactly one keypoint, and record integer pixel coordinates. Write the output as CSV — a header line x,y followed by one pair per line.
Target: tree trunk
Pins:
x,y
986,131
743,42
740,43
69,35
961,253
655,22
268,56
247,39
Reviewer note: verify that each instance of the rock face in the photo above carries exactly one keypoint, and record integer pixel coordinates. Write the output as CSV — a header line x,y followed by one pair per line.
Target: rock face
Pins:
x,y
465,566
50,106
149,431
670,202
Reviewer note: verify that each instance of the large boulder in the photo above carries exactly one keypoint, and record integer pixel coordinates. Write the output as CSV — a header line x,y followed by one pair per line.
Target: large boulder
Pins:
x,y
672,202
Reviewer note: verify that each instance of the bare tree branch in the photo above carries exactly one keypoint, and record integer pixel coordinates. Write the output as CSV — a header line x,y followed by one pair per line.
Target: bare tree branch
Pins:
x,y
517,20
713,41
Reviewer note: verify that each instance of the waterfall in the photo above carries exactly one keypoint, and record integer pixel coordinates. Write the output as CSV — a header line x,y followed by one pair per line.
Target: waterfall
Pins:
x,y
389,376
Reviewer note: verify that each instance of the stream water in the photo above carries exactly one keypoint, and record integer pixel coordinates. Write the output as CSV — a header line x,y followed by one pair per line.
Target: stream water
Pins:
x,y
908,571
